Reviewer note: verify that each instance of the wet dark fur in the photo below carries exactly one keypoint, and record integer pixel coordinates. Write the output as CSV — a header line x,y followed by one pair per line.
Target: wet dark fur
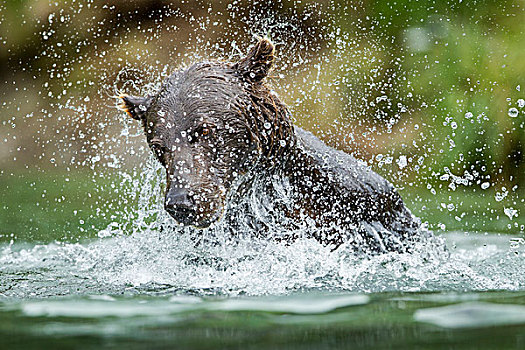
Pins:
x,y
227,142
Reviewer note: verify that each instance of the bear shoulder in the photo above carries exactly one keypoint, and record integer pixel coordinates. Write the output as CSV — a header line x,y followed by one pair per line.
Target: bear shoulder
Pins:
x,y
342,168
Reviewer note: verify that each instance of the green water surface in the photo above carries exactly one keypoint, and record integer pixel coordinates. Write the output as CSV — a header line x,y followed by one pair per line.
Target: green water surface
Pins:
x,y
380,321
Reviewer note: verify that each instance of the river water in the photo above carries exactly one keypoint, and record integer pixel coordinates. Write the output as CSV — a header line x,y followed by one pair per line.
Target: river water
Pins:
x,y
156,290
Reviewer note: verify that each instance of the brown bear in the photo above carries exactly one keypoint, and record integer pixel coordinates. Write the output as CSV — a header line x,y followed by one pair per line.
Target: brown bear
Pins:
x,y
232,155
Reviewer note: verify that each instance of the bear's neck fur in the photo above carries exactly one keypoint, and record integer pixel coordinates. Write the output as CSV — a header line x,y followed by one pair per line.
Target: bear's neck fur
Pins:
x,y
270,122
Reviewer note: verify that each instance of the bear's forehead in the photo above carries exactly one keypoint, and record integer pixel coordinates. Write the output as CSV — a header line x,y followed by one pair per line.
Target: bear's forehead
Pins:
x,y
200,78
202,92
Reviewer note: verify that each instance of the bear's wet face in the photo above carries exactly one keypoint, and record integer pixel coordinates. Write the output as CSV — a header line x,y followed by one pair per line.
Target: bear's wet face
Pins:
x,y
200,126
195,131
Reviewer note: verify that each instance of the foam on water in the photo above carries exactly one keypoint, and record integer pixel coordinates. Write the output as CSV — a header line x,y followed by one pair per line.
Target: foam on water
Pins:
x,y
159,263
472,315
95,307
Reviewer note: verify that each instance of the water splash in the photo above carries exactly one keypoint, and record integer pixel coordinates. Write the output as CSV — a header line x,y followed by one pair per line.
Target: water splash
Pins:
x,y
158,263
151,254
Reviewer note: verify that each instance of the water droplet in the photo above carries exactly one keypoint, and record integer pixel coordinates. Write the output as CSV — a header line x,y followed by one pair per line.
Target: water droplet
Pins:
x,y
513,112
521,103
510,212
444,177
267,125
500,196
402,162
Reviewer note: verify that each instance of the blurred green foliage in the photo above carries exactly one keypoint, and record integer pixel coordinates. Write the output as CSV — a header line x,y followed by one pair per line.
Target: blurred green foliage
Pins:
x,y
471,75
463,64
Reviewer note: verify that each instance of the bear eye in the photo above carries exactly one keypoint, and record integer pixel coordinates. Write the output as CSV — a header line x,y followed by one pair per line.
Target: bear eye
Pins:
x,y
201,132
159,151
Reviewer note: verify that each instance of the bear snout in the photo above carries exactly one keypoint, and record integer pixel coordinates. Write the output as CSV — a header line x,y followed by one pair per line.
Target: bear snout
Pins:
x,y
181,206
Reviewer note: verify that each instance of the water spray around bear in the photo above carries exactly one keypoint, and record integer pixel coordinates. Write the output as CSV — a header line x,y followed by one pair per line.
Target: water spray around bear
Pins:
x,y
231,151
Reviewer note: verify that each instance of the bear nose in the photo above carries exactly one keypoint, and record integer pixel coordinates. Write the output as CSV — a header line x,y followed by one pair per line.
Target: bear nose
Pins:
x,y
181,207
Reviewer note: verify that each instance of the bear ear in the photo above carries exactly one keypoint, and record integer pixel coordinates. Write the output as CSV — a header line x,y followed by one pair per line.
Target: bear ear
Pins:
x,y
134,106
258,62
